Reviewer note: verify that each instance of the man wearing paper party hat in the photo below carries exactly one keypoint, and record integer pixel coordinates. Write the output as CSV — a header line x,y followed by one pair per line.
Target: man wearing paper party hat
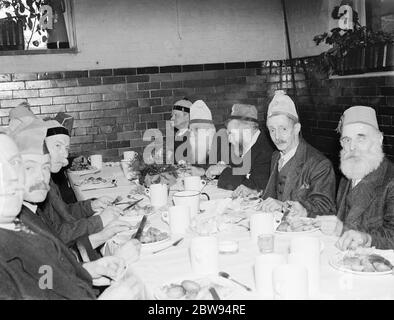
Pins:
x,y
248,169
34,264
302,179
204,145
365,198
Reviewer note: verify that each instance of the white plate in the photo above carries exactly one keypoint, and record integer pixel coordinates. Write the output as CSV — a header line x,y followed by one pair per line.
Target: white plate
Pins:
x,y
300,232
96,186
335,262
225,288
130,233
83,172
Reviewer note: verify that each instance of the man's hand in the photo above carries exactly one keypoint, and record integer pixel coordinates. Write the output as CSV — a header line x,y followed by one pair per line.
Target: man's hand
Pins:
x,y
271,205
129,288
297,209
107,267
130,251
351,239
243,191
215,170
109,214
108,232
101,203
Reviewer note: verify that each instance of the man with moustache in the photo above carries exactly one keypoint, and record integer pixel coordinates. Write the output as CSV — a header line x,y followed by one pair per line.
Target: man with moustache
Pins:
x,y
75,221
251,152
302,179
28,250
365,198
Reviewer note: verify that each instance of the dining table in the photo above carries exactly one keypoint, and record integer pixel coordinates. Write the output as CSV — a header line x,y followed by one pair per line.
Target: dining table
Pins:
x,y
173,263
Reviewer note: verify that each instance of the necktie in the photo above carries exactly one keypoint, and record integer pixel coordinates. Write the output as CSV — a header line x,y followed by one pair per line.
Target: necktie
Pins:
x,y
280,163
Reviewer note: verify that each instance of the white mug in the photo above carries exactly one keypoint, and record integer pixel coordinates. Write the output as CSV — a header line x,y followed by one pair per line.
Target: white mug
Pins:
x,y
204,255
194,183
261,223
96,160
190,199
129,155
158,194
178,218
263,268
290,282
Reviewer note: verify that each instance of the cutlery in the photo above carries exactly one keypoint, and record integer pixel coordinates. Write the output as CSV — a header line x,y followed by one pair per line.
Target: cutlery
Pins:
x,y
214,293
138,234
227,276
172,245
286,207
132,205
117,199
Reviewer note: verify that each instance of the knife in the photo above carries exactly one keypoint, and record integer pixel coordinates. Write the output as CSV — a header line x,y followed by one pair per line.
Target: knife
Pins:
x,y
214,293
172,245
138,234
132,205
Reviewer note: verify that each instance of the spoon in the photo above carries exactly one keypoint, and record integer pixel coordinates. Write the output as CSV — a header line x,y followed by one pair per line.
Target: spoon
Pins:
x,y
227,276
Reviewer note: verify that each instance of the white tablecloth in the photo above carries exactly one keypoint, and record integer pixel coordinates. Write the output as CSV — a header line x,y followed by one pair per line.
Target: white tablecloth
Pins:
x,y
174,263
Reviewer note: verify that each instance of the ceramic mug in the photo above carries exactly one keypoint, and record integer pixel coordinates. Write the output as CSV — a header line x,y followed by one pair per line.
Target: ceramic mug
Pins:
x,y
194,183
290,282
204,255
96,160
178,218
190,199
158,194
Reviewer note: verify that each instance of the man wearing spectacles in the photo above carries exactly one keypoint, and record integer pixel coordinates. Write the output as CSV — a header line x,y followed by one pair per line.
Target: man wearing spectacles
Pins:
x,y
365,198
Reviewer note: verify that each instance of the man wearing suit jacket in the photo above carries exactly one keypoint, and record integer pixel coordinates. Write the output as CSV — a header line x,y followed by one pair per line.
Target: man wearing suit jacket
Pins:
x,y
302,178
34,263
365,197
248,170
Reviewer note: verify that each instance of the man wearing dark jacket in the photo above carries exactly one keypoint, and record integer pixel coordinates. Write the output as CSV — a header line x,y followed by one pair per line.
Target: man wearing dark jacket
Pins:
x,y
365,197
301,178
34,263
248,170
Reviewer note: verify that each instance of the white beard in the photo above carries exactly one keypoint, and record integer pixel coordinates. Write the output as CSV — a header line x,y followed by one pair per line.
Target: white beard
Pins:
x,y
357,166
201,144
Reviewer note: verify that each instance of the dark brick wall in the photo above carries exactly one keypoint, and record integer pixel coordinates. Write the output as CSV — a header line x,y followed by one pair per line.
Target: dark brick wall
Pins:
x,y
113,107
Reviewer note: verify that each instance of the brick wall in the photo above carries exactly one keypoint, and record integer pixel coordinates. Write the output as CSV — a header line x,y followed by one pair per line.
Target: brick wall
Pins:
x,y
113,107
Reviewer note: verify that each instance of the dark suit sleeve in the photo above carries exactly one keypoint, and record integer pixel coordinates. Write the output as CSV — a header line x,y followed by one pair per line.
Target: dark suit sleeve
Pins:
x,y
320,198
69,231
8,286
383,236
81,209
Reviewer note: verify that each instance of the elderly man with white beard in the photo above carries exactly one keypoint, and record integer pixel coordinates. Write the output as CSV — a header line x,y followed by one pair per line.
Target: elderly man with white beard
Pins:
x,y
204,145
365,198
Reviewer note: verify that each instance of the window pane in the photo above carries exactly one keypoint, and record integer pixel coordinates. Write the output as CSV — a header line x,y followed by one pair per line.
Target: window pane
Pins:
x,y
36,24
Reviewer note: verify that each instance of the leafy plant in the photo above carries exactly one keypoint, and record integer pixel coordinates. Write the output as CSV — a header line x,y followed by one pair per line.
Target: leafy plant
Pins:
x,y
27,12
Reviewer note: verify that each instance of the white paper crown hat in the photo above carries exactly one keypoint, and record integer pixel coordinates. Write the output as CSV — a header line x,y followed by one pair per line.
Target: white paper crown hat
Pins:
x,y
282,104
359,114
200,113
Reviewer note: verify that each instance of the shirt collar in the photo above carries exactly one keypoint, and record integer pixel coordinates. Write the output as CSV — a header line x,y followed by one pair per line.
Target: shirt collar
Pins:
x,y
30,206
182,131
252,142
287,156
8,226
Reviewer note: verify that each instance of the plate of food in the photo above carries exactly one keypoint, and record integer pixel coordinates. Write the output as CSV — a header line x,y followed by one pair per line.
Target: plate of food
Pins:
x,y
298,225
93,183
364,261
195,289
81,166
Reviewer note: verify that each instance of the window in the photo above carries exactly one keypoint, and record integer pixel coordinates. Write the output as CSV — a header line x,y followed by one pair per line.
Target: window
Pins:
x,y
35,25
380,15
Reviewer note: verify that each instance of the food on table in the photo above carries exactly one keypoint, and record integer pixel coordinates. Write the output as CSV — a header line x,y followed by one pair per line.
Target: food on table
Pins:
x,y
298,224
193,290
153,234
363,262
80,163
93,181
141,208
